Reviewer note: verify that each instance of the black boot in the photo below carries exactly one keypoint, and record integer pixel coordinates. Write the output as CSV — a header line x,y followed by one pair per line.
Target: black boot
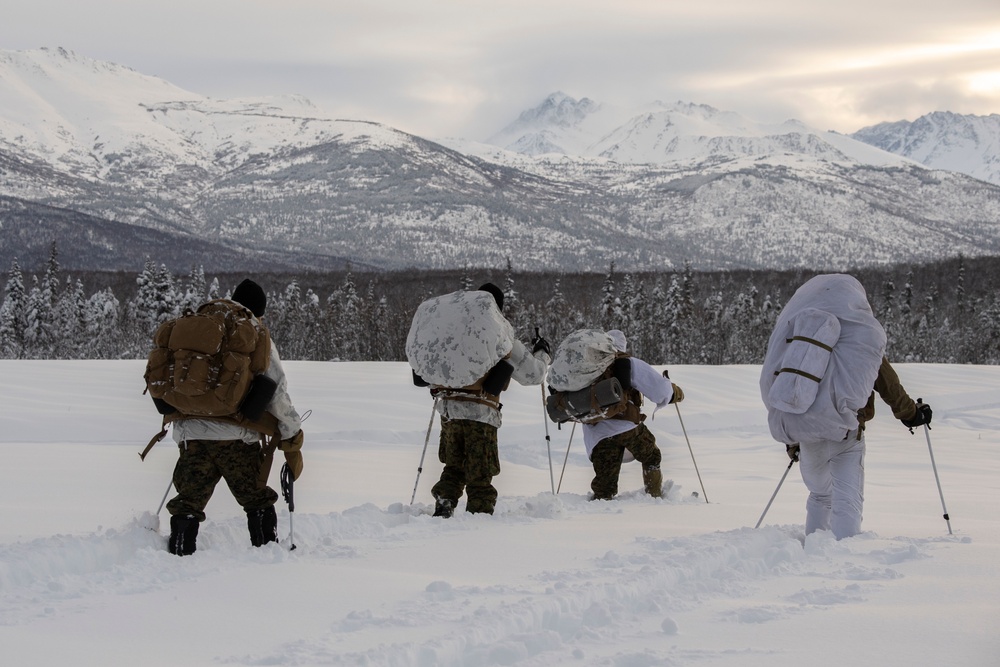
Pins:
x,y
263,526
443,507
183,535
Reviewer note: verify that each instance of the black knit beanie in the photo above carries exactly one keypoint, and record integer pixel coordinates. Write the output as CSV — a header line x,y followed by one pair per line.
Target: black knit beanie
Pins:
x,y
495,291
252,296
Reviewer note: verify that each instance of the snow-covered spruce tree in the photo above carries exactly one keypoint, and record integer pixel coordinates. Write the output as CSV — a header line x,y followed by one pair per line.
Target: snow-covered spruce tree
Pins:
x,y
214,291
669,313
686,334
554,318
960,285
155,301
744,324
886,314
195,291
513,308
13,314
285,321
70,322
609,314
658,323
317,342
102,315
380,343
906,301
352,323
713,319
39,334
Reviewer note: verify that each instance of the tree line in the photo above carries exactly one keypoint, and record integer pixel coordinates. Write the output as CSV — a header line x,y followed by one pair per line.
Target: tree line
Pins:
x,y
946,312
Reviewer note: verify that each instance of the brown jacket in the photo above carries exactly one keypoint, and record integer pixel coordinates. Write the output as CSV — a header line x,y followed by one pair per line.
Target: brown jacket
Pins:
x,y
891,391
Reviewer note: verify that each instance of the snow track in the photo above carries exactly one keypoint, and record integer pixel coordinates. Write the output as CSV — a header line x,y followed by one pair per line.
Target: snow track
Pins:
x,y
542,617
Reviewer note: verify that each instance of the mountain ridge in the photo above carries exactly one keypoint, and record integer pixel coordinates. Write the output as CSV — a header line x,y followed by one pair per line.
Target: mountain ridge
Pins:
x,y
278,180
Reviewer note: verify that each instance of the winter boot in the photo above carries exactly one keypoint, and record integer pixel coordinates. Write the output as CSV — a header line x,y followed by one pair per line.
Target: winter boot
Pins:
x,y
263,526
443,507
183,535
652,480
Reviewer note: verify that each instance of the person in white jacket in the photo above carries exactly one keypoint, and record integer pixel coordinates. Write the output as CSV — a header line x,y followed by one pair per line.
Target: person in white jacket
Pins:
x,y
625,437
230,449
825,357
470,414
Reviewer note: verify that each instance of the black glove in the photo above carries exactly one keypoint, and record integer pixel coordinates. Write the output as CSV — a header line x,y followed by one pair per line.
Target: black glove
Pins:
x,y
920,417
793,452
540,343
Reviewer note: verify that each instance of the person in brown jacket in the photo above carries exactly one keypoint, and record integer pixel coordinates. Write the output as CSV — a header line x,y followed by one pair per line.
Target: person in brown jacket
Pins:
x,y
824,359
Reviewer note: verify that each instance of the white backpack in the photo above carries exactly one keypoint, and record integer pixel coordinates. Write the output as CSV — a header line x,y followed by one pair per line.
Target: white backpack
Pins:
x,y
822,361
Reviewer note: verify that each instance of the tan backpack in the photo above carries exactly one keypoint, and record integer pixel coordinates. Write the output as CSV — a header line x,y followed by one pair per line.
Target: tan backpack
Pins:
x,y
204,362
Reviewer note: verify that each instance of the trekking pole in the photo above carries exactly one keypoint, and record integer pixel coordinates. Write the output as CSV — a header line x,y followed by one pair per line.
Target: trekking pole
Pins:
x,y
420,468
691,450
548,442
156,526
165,494
686,438
288,493
775,494
568,445
927,434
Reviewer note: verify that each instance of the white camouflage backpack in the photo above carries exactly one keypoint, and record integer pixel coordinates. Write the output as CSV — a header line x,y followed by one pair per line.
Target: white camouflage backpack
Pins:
x,y
456,339
822,361
590,380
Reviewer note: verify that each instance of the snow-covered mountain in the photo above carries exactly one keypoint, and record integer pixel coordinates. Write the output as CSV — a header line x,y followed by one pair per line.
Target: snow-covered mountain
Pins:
x,y
679,133
943,140
121,166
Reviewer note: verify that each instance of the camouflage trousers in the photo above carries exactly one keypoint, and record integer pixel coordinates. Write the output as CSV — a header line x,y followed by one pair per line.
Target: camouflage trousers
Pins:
x,y
203,463
607,460
468,450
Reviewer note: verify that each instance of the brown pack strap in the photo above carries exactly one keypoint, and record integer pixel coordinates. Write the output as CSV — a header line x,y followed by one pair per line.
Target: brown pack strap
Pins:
x,y
156,438
798,372
480,397
811,341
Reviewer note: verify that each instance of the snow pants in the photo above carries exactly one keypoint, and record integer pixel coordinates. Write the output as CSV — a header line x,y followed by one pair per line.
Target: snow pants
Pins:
x,y
202,463
834,473
607,460
468,450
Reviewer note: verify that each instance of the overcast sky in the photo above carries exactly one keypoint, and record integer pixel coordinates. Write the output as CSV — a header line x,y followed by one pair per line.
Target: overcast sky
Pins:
x,y
466,68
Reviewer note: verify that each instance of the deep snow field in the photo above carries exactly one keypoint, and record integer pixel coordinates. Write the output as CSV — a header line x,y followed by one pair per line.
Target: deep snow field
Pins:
x,y
549,580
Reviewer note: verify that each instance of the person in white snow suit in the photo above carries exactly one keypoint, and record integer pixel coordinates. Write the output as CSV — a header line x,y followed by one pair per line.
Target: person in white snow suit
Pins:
x,y
625,437
470,414
824,364
230,448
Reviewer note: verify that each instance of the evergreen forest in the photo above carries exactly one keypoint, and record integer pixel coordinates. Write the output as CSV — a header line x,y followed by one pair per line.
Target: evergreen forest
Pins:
x,y
944,312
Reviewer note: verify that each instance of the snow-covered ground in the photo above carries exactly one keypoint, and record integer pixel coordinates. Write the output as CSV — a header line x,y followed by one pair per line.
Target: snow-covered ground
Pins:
x,y
548,580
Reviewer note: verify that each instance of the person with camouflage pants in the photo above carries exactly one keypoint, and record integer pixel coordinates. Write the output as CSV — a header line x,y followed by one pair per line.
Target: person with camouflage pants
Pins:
x,y
468,450
204,463
612,441
230,448
607,459
470,418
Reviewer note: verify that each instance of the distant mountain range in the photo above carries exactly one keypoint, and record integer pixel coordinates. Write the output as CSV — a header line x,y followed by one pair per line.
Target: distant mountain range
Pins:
x,y
117,166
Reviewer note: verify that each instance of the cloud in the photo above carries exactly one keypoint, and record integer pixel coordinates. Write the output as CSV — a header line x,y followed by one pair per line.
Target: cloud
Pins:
x,y
468,67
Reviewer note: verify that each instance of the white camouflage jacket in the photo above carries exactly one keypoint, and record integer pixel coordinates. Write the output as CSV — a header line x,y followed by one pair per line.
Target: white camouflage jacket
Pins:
x,y
528,370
